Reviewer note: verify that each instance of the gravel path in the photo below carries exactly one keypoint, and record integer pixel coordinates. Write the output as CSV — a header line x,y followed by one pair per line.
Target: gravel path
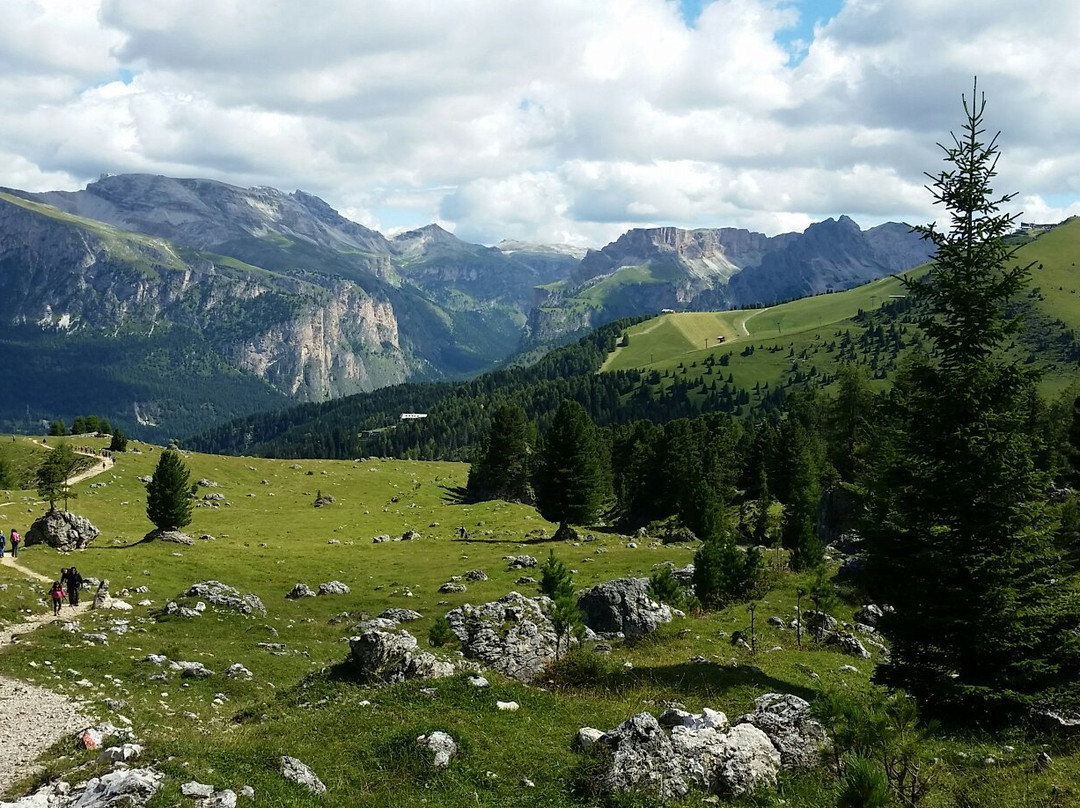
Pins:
x,y
32,718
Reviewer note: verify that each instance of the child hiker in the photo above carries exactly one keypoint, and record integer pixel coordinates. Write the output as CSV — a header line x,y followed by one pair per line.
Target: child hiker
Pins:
x,y
57,597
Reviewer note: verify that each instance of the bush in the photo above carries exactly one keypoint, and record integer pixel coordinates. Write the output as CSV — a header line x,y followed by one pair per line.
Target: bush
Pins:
x,y
440,634
665,587
864,786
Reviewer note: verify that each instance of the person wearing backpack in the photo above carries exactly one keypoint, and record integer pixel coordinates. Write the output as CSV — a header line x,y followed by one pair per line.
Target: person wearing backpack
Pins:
x,y
3,542
74,581
57,597
16,540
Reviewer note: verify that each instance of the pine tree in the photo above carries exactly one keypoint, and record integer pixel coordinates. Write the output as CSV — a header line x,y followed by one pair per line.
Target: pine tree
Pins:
x,y
501,468
957,531
119,441
572,476
53,474
168,504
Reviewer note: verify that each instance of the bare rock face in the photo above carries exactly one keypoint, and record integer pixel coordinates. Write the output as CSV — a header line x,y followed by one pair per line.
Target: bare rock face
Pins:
x,y
623,607
513,634
393,656
61,530
642,758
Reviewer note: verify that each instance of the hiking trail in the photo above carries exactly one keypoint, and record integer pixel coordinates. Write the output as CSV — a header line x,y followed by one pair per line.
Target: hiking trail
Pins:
x,y
33,718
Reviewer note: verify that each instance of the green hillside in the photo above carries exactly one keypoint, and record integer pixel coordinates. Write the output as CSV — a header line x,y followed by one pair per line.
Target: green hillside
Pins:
x,y
304,701
873,325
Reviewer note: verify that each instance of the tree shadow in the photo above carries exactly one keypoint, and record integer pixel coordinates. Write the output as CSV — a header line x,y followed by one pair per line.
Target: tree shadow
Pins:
x,y
455,494
708,679
490,540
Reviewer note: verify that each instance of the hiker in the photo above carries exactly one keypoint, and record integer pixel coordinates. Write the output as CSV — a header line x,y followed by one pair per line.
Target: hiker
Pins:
x,y
64,572
3,542
74,581
57,597
16,540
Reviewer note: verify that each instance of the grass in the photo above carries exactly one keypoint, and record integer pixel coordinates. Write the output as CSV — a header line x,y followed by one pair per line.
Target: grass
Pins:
x,y
359,739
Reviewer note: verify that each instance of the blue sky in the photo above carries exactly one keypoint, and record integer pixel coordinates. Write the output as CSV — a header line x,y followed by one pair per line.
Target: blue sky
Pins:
x,y
796,38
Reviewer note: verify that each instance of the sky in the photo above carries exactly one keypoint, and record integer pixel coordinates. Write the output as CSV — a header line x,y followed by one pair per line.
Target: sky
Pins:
x,y
555,121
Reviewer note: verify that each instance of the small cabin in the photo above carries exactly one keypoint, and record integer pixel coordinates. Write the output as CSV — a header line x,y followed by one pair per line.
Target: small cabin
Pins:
x,y
413,416
667,311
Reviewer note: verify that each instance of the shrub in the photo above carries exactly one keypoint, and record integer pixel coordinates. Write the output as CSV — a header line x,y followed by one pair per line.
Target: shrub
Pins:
x,y
665,587
440,634
864,785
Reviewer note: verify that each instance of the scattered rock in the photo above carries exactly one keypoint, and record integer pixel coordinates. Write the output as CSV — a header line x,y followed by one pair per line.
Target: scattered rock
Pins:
x,y
475,575
173,536
298,772
219,594
585,739
380,539
400,615
441,745
566,533
196,789
61,530
847,643
508,706
521,562
333,588
237,669
676,534
410,535
450,587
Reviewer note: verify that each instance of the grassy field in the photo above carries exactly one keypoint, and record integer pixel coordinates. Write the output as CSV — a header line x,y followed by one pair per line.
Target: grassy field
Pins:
x,y
304,702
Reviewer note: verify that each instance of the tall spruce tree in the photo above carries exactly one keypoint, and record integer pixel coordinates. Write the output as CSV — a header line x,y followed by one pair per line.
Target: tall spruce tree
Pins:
x,y
168,504
501,468
572,477
957,532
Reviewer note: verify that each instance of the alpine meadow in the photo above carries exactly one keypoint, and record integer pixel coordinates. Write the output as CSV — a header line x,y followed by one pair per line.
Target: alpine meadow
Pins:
x,y
820,551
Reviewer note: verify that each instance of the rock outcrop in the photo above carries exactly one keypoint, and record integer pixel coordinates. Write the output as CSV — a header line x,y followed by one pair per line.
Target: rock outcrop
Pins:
x,y
226,597
513,634
61,530
393,656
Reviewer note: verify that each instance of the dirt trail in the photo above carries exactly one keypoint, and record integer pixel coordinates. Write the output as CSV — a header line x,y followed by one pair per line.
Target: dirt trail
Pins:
x,y
106,464
32,718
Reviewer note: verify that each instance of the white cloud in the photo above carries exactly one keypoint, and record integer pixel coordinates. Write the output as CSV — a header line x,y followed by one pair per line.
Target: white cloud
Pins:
x,y
557,121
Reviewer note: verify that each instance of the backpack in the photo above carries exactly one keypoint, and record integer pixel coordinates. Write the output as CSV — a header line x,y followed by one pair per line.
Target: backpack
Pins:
x,y
15,537
58,592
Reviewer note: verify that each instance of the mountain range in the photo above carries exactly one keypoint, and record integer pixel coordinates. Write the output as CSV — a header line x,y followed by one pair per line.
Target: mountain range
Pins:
x,y
169,305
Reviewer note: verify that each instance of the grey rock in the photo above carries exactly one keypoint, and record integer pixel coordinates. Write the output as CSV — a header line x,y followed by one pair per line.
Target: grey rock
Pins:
x,y
869,614
400,615
566,533
226,597
410,535
819,623
122,754
441,745
684,575
333,588
380,539
247,792
513,635
298,772
777,621
521,562
61,530
96,639
450,587
220,799
623,606
642,759
122,787
749,760
475,575
524,580
787,721
586,738
300,591
393,656
102,600
191,670
237,670
196,789
173,536
847,643
674,534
